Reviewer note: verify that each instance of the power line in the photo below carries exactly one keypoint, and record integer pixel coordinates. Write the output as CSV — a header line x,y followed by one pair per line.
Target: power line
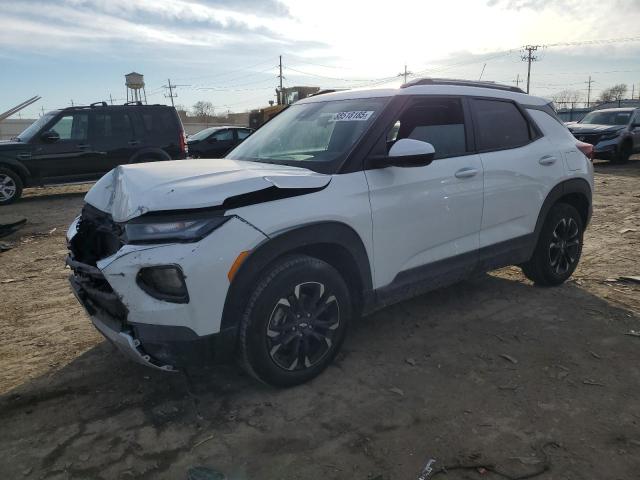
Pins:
x,y
589,91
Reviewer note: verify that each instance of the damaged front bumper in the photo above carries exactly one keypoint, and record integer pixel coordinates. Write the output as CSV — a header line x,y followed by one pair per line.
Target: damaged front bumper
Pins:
x,y
151,331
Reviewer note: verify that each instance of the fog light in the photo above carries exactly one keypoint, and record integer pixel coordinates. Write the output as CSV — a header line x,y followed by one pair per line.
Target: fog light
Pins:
x,y
164,282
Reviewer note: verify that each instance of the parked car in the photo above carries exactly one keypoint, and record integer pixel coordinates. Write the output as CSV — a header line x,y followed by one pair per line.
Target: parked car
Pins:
x,y
342,204
614,132
83,143
216,142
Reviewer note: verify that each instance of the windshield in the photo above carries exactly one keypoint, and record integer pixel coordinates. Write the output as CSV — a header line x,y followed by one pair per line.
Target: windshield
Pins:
x,y
28,133
202,134
311,134
608,118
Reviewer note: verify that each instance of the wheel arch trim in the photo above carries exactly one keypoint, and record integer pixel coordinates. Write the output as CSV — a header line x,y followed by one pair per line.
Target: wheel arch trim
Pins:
x,y
289,241
572,186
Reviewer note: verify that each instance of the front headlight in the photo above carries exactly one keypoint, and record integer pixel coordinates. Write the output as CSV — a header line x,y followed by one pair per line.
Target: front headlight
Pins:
x,y
172,228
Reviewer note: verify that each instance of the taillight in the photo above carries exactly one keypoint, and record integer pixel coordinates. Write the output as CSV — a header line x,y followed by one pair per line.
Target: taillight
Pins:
x,y
586,149
183,143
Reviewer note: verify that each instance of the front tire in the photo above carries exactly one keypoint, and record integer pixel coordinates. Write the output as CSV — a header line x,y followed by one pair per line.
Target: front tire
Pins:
x,y
624,152
10,186
295,321
557,253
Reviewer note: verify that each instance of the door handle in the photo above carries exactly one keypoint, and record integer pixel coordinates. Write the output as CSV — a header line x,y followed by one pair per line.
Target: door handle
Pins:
x,y
466,172
134,142
547,160
83,145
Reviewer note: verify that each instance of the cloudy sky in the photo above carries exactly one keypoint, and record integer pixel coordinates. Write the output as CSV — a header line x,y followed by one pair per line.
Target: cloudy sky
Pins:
x,y
226,51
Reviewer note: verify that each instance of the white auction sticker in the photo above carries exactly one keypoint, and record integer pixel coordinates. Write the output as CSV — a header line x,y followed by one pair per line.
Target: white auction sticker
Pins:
x,y
357,116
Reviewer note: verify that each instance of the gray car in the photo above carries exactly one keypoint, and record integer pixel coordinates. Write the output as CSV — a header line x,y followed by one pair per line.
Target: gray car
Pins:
x,y
613,132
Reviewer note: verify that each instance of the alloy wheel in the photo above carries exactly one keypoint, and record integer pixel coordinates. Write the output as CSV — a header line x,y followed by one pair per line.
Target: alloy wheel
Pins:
x,y
8,187
303,326
565,246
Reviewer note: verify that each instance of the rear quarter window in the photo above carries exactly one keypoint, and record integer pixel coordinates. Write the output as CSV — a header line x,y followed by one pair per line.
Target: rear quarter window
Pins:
x,y
159,122
500,125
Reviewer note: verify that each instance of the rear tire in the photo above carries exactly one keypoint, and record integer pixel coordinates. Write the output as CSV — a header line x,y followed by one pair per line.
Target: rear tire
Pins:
x,y
10,186
295,321
557,253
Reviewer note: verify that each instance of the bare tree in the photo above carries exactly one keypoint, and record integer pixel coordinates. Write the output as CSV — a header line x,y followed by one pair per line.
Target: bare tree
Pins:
x,y
615,93
202,109
568,97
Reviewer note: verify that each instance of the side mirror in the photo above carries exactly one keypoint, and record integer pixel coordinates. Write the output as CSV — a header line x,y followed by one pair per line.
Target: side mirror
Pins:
x,y
407,152
50,136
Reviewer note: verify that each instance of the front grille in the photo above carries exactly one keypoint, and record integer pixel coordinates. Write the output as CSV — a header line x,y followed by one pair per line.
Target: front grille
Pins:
x,y
98,237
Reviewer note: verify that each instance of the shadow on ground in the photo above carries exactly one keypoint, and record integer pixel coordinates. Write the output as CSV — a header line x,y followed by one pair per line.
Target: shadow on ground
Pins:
x,y
485,372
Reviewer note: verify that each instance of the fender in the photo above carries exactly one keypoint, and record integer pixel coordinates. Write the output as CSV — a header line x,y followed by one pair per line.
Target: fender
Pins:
x,y
301,239
149,153
573,186
19,168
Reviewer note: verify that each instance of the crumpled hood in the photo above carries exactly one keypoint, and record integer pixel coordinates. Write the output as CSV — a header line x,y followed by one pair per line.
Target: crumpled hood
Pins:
x,y
129,191
585,128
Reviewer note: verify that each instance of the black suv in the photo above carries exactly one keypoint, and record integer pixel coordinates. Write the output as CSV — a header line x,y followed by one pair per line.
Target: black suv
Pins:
x,y
79,144
216,142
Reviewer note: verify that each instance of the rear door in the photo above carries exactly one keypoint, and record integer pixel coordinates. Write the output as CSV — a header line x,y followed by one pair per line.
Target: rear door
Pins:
x,y
71,156
112,137
520,168
428,214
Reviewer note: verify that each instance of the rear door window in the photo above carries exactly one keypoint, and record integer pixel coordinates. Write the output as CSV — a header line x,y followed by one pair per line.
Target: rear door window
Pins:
x,y
112,126
223,135
159,122
500,125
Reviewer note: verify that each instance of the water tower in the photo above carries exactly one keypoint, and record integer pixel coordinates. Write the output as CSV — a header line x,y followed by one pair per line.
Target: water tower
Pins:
x,y
135,87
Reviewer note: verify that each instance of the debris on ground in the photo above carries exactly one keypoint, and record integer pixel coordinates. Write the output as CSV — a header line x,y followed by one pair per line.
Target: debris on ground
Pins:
x,y
9,228
6,246
204,473
633,333
410,361
509,358
627,230
397,391
630,278
427,470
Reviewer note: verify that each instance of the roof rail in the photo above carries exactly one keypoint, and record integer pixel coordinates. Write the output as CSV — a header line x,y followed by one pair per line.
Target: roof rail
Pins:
x,y
461,83
102,104
133,102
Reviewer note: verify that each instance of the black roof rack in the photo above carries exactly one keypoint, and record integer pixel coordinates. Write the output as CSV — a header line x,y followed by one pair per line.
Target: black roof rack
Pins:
x,y
102,104
461,83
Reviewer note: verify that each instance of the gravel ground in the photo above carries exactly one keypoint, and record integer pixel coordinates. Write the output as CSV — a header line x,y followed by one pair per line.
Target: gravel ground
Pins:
x,y
491,372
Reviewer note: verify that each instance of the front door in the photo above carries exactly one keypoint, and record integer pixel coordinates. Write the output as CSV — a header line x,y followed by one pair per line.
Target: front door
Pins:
x,y
426,220
219,143
70,156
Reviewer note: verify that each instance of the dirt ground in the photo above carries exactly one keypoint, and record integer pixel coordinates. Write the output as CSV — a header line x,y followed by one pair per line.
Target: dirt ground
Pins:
x,y
492,371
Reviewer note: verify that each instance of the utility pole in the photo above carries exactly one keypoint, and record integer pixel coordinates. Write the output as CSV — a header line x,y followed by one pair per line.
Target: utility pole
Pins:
x,y
482,72
633,90
529,57
72,102
171,88
281,77
517,80
589,91
111,99
405,74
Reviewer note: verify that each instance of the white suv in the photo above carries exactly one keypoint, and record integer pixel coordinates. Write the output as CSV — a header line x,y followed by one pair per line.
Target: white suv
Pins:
x,y
343,203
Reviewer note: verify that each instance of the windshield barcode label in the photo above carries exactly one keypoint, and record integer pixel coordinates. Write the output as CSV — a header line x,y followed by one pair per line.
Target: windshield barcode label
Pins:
x,y
358,116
